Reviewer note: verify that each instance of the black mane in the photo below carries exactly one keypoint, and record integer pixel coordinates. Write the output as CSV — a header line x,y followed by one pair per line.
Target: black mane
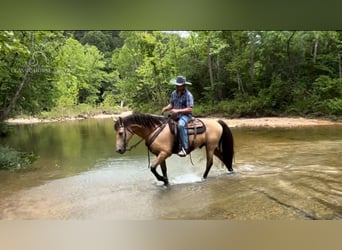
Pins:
x,y
145,120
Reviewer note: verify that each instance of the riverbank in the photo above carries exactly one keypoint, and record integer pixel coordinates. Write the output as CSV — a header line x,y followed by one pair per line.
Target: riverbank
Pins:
x,y
278,122
271,122
33,120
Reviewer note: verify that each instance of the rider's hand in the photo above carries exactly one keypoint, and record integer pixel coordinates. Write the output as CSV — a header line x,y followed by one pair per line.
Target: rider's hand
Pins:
x,y
163,110
174,111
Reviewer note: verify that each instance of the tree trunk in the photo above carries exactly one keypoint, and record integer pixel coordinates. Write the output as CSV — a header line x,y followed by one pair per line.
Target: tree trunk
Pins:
x,y
7,110
251,59
218,68
240,84
210,64
339,67
288,50
315,51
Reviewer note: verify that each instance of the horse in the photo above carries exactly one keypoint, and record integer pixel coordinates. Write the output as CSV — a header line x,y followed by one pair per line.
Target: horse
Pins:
x,y
160,140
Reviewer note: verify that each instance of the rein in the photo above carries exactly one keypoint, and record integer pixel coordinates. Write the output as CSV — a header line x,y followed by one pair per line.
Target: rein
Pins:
x,y
149,142
135,145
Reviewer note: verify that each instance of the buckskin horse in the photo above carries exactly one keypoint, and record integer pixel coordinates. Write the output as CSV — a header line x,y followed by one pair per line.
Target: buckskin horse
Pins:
x,y
161,139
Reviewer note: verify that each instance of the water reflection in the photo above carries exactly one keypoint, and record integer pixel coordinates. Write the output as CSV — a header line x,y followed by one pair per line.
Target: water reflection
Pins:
x,y
279,174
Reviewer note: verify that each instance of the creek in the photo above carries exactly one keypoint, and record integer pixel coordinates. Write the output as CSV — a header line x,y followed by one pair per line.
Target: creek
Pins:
x,y
280,173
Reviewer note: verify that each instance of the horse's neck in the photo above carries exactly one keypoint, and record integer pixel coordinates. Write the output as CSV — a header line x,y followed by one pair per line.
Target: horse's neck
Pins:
x,y
142,131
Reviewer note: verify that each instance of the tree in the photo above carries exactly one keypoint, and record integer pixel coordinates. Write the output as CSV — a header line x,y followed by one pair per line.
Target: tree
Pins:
x,y
98,39
80,75
26,70
145,65
233,72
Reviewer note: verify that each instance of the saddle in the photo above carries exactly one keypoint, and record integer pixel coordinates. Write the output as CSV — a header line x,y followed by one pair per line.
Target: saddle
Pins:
x,y
194,127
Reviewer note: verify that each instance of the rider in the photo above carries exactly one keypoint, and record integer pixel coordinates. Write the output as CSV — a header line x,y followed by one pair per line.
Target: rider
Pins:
x,y
180,106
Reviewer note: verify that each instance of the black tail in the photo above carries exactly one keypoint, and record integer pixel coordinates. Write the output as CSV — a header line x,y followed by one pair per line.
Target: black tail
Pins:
x,y
226,145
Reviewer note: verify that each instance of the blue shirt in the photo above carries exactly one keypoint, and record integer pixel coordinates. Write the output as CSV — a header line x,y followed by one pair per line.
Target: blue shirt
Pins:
x,y
182,101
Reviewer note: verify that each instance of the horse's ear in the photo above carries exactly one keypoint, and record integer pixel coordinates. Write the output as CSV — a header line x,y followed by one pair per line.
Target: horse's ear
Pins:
x,y
117,119
120,121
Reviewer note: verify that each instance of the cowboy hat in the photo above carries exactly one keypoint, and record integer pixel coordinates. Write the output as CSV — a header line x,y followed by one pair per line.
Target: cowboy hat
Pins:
x,y
180,81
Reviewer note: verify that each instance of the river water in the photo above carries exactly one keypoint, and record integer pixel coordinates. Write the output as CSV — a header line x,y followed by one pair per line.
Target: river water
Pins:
x,y
280,173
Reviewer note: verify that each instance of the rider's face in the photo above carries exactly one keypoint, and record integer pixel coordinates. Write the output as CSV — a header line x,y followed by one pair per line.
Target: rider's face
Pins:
x,y
180,88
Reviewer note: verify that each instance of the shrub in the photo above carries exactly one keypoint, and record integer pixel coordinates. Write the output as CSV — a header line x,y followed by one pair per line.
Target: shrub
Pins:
x,y
11,159
239,107
109,100
334,106
5,129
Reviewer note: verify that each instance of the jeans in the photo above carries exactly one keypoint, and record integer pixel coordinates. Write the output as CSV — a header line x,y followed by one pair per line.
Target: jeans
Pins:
x,y
183,132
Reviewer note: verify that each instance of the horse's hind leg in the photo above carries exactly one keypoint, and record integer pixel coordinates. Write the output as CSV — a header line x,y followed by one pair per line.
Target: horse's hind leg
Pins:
x,y
219,155
209,162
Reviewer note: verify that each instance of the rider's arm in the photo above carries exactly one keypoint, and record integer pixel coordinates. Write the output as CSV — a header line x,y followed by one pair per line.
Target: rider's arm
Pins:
x,y
166,108
186,110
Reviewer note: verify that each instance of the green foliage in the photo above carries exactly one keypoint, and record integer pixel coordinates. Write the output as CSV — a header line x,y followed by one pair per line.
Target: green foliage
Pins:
x,y
327,88
98,39
277,96
110,100
5,129
11,159
80,75
334,106
327,93
240,107
26,69
145,66
106,40
234,73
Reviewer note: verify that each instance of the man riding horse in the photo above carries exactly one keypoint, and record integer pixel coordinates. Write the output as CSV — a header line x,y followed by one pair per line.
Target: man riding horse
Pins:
x,y
160,139
180,106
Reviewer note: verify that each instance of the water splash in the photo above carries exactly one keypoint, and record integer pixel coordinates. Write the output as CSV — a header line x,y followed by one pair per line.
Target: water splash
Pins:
x,y
187,178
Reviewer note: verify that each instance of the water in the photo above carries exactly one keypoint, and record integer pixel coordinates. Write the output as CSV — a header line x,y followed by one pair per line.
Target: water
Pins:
x,y
279,174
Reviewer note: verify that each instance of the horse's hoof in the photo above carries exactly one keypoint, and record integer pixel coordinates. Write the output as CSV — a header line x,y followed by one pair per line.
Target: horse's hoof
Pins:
x,y
166,181
231,172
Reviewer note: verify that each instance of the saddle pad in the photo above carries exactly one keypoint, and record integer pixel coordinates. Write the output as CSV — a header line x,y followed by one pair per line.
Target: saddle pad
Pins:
x,y
195,126
195,123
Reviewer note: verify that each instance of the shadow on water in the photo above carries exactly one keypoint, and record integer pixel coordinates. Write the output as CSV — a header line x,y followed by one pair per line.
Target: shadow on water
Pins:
x,y
279,174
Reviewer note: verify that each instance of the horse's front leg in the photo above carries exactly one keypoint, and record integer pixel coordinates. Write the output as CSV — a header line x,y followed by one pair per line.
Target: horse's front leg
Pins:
x,y
160,160
164,171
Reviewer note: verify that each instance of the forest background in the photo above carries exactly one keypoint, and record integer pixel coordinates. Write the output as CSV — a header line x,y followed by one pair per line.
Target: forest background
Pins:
x,y
233,73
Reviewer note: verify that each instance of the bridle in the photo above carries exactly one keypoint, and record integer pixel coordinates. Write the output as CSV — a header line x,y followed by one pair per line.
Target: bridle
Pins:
x,y
125,129
148,143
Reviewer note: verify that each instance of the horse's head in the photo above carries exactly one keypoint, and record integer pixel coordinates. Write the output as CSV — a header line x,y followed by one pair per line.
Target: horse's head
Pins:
x,y
123,135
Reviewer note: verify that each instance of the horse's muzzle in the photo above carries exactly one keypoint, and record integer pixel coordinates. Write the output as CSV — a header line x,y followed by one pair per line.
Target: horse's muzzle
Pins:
x,y
120,151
